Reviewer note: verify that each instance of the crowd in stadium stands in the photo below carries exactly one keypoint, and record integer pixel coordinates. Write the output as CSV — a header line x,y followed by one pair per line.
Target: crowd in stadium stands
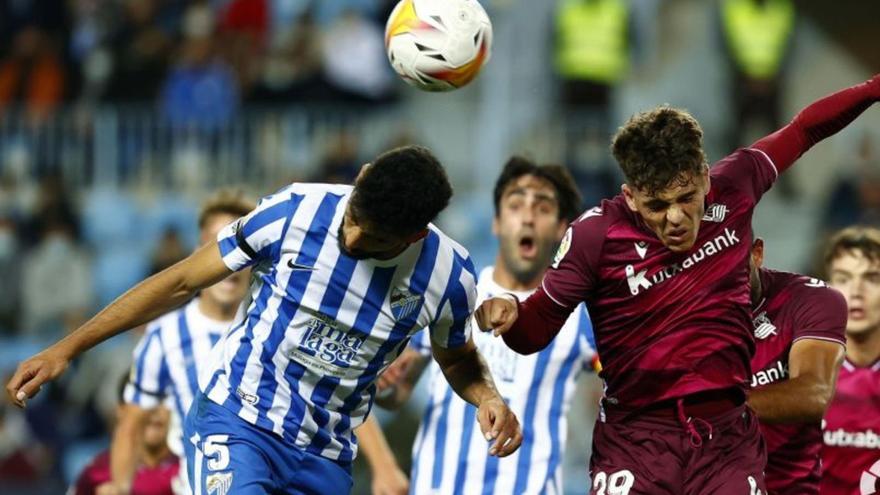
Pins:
x,y
198,59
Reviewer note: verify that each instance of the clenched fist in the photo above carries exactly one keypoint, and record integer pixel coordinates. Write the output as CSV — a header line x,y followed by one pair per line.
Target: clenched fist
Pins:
x,y
497,314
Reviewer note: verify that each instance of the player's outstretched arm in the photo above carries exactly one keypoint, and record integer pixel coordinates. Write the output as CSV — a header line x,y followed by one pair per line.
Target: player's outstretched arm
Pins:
x,y
388,478
396,383
468,375
527,327
149,299
818,121
812,366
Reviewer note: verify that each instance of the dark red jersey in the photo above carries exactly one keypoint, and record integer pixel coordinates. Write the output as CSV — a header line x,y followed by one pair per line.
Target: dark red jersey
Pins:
x,y
793,307
851,433
668,324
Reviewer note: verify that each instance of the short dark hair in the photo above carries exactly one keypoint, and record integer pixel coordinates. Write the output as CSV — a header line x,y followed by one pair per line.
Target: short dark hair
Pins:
x,y
225,201
863,239
402,191
654,148
567,193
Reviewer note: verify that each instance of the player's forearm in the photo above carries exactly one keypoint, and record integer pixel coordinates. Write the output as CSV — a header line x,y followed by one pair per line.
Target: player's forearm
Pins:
x,y
394,397
125,447
470,378
538,321
802,399
818,121
372,442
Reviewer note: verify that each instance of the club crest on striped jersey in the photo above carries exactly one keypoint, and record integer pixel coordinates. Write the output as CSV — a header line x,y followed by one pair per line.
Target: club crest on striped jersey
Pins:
x,y
403,303
218,483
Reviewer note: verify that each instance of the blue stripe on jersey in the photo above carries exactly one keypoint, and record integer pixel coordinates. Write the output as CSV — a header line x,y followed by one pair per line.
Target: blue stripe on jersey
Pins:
x,y
421,276
139,375
426,421
296,288
367,314
440,446
186,348
267,216
525,451
574,356
458,298
470,418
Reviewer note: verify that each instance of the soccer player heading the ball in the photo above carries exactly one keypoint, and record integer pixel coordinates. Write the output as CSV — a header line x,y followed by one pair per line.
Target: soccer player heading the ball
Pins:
x,y
664,269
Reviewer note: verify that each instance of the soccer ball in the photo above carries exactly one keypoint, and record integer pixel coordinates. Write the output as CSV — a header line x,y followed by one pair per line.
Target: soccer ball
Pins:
x,y
438,45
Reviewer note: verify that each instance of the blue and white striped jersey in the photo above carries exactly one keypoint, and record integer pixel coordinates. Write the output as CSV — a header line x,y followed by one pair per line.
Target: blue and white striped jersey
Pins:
x,y
323,325
450,455
167,361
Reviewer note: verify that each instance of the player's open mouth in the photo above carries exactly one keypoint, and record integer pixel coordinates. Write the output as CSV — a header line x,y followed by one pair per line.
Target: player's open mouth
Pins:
x,y
856,313
527,247
677,236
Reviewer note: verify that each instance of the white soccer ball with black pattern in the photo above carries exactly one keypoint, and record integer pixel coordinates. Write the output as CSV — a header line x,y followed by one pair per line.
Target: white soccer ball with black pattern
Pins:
x,y
438,45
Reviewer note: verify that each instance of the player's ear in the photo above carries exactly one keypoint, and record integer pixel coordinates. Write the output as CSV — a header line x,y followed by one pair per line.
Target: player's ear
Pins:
x,y
758,252
629,197
496,227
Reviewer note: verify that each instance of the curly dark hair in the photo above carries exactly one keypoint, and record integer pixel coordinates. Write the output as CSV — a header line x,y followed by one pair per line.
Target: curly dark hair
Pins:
x,y
654,148
402,191
859,238
567,193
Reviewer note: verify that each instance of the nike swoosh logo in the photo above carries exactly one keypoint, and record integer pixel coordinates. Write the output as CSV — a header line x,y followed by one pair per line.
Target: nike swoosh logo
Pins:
x,y
297,266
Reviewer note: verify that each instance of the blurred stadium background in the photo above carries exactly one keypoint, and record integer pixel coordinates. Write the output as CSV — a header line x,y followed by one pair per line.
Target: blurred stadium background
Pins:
x,y
118,116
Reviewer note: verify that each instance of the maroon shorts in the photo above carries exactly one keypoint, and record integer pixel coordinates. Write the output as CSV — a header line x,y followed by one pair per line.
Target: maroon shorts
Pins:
x,y
679,450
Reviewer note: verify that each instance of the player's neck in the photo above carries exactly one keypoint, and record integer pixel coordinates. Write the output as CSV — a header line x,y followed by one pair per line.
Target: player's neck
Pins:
x,y
502,276
216,311
864,349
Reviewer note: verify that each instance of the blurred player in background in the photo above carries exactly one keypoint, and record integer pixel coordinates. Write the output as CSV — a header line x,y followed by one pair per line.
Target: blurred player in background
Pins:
x,y
533,206
851,454
173,351
155,468
343,277
799,325
664,269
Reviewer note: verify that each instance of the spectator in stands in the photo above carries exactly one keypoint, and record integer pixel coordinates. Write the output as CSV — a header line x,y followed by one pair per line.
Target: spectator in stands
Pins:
x,y
201,90
291,69
24,461
855,200
10,282
140,50
757,36
340,164
168,251
243,27
363,74
56,281
33,75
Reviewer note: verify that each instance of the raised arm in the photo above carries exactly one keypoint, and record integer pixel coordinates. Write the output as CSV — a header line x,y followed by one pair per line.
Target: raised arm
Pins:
x,y
818,121
149,299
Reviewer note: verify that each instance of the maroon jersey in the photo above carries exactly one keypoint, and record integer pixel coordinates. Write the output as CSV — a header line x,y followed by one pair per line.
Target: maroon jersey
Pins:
x,y
668,324
147,480
851,433
793,307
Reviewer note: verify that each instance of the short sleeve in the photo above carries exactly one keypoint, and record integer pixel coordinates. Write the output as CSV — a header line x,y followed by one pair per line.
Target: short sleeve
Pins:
x,y
572,276
820,312
258,235
149,378
749,170
452,326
